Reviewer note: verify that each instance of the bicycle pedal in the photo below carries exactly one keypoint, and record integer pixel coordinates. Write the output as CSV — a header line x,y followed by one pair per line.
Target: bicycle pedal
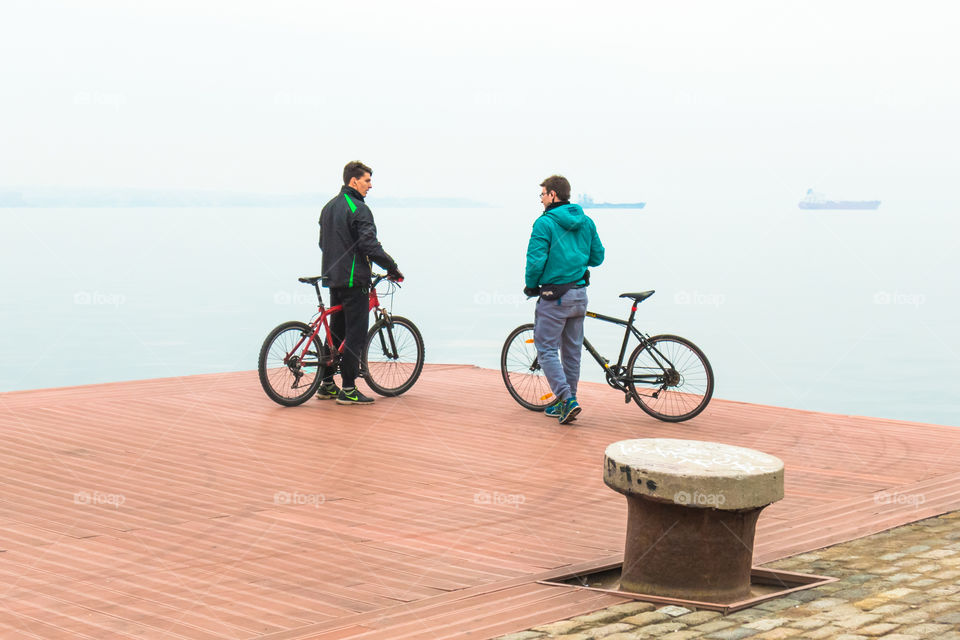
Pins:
x,y
626,398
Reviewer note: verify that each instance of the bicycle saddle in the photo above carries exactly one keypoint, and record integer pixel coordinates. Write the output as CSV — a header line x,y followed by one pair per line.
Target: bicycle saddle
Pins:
x,y
638,297
311,280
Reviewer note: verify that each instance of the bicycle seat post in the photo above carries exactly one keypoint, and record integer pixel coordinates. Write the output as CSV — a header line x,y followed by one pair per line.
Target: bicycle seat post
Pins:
x,y
633,313
316,285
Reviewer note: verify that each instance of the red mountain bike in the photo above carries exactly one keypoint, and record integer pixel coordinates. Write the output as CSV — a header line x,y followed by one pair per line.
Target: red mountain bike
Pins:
x,y
296,355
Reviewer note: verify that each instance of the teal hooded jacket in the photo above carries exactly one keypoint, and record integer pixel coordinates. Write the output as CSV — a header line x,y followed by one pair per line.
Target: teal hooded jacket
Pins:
x,y
564,242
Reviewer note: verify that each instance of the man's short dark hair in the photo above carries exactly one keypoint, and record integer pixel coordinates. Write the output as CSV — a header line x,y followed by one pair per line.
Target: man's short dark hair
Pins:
x,y
558,184
357,169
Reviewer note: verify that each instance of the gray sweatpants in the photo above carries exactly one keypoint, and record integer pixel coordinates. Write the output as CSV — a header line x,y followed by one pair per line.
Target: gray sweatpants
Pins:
x,y
558,336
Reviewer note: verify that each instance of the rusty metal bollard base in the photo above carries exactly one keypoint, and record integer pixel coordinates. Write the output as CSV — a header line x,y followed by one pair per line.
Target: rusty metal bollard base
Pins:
x,y
691,554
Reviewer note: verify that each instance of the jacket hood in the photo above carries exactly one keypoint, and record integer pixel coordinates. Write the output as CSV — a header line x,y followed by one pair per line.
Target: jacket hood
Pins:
x,y
569,216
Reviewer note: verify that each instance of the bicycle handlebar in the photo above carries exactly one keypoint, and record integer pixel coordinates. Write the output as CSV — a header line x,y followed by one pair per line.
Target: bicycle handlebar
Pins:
x,y
377,277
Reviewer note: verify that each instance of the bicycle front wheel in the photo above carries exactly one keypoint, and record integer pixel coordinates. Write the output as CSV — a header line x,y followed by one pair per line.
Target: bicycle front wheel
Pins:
x,y
290,374
521,370
670,378
393,357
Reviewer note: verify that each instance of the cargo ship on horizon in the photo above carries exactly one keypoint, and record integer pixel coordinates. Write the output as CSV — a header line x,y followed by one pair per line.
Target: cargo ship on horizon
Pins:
x,y
587,202
814,200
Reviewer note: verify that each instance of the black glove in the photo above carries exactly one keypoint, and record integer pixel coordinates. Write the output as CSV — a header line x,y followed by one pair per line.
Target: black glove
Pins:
x,y
395,275
531,292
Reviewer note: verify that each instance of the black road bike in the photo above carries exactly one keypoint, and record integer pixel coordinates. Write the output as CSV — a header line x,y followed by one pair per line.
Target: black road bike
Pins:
x,y
668,376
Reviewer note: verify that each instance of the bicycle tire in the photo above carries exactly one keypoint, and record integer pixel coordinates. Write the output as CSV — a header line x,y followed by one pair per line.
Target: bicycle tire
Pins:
x,y
278,379
521,372
386,375
689,382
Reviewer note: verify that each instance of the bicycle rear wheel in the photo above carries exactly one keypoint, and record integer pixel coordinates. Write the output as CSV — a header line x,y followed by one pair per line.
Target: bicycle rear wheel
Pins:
x,y
393,357
290,378
521,370
670,378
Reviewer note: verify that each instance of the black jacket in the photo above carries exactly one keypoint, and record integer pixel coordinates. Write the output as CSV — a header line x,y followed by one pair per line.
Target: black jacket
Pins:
x,y
348,239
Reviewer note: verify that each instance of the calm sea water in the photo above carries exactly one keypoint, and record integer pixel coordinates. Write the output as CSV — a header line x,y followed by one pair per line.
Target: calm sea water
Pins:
x,y
847,312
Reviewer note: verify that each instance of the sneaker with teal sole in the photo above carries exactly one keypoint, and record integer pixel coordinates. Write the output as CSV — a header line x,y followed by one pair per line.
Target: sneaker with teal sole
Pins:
x,y
569,411
328,391
353,396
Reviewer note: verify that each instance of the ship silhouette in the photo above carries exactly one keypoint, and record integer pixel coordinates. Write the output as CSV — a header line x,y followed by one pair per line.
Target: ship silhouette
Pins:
x,y
814,200
587,202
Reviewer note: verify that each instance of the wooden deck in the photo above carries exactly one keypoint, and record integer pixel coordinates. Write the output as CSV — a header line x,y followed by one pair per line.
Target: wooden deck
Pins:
x,y
196,508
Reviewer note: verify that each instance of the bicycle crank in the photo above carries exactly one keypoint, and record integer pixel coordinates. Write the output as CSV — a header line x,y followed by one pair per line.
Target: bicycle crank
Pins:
x,y
615,377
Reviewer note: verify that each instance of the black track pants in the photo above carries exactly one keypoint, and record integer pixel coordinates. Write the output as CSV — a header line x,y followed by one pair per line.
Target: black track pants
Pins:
x,y
352,323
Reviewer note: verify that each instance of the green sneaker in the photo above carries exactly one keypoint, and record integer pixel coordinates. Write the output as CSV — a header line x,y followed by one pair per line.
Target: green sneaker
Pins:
x,y
353,396
569,410
328,391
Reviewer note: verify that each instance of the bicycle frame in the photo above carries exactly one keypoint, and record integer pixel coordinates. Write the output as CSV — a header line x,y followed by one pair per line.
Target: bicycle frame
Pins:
x,y
615,374
322,321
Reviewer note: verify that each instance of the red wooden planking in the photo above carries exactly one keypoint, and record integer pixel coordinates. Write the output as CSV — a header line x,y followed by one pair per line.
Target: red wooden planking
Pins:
x,y
400,539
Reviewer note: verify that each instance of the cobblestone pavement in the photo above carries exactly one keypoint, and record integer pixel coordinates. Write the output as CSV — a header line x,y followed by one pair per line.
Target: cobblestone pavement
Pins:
x,y
901,584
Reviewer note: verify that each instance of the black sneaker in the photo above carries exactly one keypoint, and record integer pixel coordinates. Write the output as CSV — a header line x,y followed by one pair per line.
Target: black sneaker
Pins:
x,y
328,391
353,397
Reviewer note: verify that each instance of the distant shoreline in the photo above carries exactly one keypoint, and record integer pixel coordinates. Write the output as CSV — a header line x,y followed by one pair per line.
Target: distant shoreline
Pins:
x,y
136,198
615,205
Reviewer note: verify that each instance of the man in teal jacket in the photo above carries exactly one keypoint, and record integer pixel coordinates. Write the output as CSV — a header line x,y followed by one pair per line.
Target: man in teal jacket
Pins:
x,y
564,242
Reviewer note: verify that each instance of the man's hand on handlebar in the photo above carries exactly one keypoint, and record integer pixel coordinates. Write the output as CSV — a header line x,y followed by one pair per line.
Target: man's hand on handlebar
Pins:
x,y
531,292
395,276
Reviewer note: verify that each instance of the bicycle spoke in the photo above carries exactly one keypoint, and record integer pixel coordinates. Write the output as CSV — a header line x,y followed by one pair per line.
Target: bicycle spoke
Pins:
x,y
670,378
393,373
291,382
528,386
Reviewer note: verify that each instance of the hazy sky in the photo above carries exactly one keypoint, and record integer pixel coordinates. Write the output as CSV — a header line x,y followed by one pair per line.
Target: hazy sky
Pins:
x,y
628,99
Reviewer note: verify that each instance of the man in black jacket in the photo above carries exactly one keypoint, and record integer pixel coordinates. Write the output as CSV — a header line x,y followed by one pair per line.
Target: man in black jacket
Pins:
x,y
348,240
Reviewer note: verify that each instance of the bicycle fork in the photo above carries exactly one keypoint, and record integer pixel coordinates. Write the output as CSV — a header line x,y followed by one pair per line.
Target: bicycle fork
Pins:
x,y
389,351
